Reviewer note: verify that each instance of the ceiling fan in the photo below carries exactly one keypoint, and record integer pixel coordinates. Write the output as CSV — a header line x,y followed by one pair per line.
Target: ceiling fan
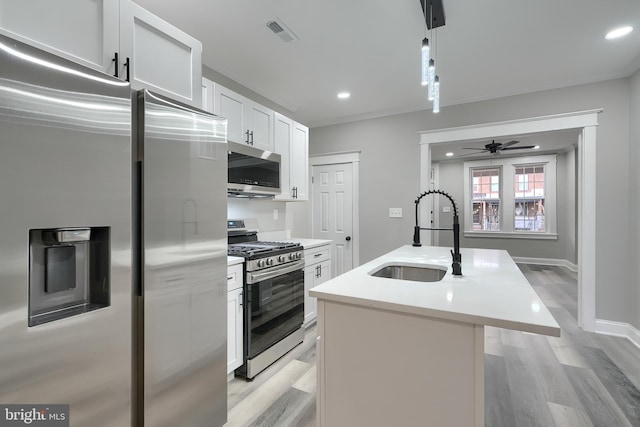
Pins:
x,y
496,147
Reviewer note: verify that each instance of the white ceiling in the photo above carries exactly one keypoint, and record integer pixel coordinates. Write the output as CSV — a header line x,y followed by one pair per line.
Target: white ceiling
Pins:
x,y
487,49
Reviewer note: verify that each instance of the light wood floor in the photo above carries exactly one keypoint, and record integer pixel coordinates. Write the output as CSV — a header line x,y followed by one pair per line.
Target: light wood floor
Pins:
x,y
579,379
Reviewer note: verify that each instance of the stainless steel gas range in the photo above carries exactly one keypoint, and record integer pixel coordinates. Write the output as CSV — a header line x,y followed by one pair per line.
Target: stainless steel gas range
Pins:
x,y
273,297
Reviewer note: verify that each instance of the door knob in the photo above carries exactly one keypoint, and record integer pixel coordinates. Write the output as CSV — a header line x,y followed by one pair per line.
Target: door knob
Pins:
x,y
348,238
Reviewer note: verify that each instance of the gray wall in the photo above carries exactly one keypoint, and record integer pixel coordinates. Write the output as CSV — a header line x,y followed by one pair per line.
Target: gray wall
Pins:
x,y
452,181
634,161
390,163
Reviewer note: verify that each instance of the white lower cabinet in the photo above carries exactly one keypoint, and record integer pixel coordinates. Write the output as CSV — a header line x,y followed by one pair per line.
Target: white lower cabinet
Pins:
x,y
234,317
317,270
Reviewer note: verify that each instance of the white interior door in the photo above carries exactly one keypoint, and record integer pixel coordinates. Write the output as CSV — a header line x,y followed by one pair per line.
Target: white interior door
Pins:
x,y
333,211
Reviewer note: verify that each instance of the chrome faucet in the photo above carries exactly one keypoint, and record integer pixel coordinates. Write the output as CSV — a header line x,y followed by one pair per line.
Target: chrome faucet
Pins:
x,y
455,253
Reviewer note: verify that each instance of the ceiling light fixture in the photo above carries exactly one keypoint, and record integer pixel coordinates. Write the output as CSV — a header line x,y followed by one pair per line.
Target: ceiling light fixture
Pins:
x,y
618,32
436,94
536,147
344,95
432,79
449,154
425,61
434,17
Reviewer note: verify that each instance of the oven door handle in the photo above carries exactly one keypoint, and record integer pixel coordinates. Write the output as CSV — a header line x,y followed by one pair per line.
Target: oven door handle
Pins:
x,y
278,271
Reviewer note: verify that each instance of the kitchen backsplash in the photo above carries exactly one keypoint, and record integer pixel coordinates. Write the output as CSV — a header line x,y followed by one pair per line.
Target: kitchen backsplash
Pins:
x,y
274,220
259,214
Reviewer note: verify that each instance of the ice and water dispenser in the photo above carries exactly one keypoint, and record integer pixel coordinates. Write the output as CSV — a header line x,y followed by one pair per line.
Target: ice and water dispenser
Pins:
x,y
69,272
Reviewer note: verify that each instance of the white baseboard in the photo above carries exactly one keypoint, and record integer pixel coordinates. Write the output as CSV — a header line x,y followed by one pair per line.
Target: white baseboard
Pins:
x,y
546,261
619,329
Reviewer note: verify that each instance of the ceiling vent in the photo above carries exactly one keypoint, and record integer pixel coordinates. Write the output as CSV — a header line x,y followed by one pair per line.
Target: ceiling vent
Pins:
x,y
282,31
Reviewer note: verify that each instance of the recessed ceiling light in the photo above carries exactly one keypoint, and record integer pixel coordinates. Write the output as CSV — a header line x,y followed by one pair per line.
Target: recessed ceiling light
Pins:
x,y
536,147
618,32
449,154
344,95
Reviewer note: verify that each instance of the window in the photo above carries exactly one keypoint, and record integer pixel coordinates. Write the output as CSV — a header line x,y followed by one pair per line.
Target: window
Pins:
x,y
510,197
529,198
486,199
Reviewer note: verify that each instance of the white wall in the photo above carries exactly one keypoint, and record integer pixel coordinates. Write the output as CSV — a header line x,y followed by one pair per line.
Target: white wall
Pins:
x,y
390,163
452,181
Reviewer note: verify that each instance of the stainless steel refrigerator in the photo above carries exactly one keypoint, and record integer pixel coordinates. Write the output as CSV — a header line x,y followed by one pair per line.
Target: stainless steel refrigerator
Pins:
x,y
65,238
112,249
182,250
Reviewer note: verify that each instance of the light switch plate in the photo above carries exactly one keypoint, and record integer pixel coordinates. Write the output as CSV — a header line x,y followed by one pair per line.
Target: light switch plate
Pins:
x,y
395,212
446,209
275,214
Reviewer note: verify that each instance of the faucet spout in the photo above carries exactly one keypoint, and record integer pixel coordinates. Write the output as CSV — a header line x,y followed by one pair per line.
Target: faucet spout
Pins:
x,y
456,256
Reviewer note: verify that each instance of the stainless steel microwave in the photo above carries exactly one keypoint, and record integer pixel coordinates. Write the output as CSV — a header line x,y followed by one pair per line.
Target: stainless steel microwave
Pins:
x,y
252,172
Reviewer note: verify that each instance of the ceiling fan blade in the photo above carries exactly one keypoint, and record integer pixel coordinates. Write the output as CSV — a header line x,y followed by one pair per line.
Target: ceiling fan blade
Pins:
x,y
468,154
473,148
524,147
507,144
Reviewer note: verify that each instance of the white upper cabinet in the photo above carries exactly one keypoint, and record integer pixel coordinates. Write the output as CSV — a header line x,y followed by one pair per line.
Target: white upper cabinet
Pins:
x,y
160,57
247,121
102,33
207,94
283,132
84,31
292,143
299,163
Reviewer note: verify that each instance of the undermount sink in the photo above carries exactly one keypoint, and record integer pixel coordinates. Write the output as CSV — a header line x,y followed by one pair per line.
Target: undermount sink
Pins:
x,y
410,272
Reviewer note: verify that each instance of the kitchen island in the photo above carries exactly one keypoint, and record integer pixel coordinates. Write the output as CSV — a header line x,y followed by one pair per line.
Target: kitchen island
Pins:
x,y
411,353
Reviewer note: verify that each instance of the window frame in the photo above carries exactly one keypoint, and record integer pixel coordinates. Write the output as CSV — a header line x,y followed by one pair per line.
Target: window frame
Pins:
x,y
507,168
491,184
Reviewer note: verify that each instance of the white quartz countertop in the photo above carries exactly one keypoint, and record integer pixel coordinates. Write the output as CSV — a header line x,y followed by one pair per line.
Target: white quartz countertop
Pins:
x,y
492,290
309,243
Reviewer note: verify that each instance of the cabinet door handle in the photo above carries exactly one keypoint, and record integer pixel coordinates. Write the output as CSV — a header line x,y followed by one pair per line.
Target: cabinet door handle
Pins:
x,y
294,190
251,137
240,299
247,139
128,65
317,255
115,59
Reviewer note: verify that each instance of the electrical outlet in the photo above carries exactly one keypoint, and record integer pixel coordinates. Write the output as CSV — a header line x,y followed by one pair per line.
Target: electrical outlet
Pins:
x,y
275,214
395,212
446,209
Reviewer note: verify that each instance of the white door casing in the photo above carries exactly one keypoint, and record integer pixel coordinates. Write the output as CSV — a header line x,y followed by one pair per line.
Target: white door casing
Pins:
x,y
587,122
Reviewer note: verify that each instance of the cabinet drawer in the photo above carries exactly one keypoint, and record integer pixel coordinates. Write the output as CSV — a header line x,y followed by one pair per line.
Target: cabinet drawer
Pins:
x,y
318,254
234,277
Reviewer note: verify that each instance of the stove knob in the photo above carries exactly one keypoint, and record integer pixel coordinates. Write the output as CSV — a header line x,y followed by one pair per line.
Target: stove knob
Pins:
x,y
292,256
269,261
282,258
261,263
298,255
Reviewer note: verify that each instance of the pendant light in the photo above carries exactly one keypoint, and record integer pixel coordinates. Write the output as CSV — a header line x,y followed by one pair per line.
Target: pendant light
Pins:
x,y
425,61
432,77
436,94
